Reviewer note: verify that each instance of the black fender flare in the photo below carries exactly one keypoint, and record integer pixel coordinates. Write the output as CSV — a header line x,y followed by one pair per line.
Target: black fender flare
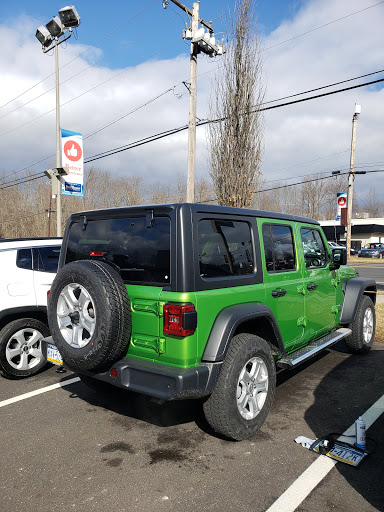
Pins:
x,y
226,324
353,290
24,310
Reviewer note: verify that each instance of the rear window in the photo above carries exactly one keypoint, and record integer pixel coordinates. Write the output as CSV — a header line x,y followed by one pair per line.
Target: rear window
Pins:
x,y
225,248
141,254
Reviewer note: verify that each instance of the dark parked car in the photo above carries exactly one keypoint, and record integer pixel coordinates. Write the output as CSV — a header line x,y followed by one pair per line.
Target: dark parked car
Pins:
x,y
372,251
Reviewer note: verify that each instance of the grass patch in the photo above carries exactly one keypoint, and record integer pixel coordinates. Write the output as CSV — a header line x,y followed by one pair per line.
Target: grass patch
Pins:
x,y
372,261
380,322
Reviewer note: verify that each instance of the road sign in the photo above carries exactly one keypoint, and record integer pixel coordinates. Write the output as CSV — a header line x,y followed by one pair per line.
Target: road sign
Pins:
x,y
72,159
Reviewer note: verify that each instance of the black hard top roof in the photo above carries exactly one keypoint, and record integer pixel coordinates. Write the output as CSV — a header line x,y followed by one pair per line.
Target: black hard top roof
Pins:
x,y
194,207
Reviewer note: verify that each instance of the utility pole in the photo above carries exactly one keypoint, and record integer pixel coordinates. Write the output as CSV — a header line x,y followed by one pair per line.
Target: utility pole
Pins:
x,y
205,42
351,179
192,110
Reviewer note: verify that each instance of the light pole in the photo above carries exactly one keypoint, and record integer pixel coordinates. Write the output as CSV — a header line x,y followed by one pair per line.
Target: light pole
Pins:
x,y
51,35
351,178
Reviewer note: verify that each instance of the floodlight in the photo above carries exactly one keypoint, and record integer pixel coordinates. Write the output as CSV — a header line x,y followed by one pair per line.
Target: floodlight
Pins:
x,y
55,27
357,109
62,171
69,16
43,36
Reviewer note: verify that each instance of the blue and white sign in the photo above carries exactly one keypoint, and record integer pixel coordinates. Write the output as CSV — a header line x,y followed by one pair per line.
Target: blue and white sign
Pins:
x,y
72,158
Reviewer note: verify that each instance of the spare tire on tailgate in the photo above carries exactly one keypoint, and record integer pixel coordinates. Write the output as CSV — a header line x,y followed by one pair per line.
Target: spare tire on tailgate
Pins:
x,y
89,315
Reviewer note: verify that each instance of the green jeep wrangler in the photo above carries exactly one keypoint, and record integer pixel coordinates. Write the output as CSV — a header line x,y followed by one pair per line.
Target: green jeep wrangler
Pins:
x,y
198,301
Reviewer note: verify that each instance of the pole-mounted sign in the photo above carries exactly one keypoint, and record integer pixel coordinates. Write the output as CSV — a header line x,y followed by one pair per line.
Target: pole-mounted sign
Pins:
x,y
73,161
341,203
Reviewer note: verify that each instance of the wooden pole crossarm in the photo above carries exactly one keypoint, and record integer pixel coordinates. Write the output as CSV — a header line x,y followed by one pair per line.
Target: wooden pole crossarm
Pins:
x,y
185,8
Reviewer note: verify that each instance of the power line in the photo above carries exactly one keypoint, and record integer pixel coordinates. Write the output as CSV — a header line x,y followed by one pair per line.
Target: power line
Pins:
x,y
125,23
85,69
325,86
308,181
82,53
325,25
209,121
167,133
300,35
27,167
89,90
22,180
129,113
309,161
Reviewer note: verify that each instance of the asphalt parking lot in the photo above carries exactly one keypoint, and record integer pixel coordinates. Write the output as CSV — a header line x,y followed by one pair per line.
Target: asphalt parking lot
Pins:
x,y
69,448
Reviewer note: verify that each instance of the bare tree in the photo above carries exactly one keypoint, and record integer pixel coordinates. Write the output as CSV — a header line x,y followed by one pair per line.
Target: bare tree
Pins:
x,y
315,197
236,141
372,205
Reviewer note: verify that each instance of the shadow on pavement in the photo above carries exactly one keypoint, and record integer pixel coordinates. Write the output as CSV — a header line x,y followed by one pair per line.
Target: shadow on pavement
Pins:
x,y
138,406
344,394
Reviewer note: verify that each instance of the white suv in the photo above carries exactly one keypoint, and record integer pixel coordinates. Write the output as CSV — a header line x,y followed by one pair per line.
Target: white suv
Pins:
x,y
28,267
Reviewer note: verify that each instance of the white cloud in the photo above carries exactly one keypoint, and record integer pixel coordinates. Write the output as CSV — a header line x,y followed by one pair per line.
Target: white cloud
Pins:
x,y
293,134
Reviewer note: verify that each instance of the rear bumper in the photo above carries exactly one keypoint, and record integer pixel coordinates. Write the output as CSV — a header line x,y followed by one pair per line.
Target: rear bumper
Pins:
x,y
162,381
156,379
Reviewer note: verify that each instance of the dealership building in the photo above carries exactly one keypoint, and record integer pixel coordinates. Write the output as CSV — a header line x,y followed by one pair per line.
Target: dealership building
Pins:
x,y
363,231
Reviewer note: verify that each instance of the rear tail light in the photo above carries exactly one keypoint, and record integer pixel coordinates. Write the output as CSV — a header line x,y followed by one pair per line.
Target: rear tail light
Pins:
x,y
180,319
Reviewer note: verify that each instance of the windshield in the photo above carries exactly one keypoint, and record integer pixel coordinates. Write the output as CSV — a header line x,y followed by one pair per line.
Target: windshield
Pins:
x,y
141,253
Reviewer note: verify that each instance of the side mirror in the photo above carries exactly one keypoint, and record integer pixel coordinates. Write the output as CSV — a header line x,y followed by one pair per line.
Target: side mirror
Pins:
x,y
339,257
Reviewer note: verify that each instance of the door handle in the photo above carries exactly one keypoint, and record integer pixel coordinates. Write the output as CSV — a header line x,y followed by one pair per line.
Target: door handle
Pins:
x,y
278,293
311,287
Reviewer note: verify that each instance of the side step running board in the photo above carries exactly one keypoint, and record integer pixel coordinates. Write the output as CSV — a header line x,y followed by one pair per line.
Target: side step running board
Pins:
x,y
299,356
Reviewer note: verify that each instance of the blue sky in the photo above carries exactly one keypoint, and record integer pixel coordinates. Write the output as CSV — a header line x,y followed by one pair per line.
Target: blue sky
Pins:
x,y
99,19
128,53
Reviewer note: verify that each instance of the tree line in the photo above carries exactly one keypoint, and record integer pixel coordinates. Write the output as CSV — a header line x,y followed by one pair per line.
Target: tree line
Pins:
x,y
26,208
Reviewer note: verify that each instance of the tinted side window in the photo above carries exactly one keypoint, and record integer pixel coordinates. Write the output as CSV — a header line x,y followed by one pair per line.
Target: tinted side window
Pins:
x,y
142,254
225,248
24,259
46,259
315,254
278,247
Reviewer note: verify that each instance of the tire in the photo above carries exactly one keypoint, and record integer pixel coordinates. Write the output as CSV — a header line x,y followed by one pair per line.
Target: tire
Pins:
x,y
20,348
363,327
237,409
89,315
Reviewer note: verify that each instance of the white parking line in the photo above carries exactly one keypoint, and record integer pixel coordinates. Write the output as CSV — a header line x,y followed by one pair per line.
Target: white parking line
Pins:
x,y
38,392
314,474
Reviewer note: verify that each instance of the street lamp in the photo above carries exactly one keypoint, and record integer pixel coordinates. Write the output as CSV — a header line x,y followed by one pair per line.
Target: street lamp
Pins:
x,y
51,36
